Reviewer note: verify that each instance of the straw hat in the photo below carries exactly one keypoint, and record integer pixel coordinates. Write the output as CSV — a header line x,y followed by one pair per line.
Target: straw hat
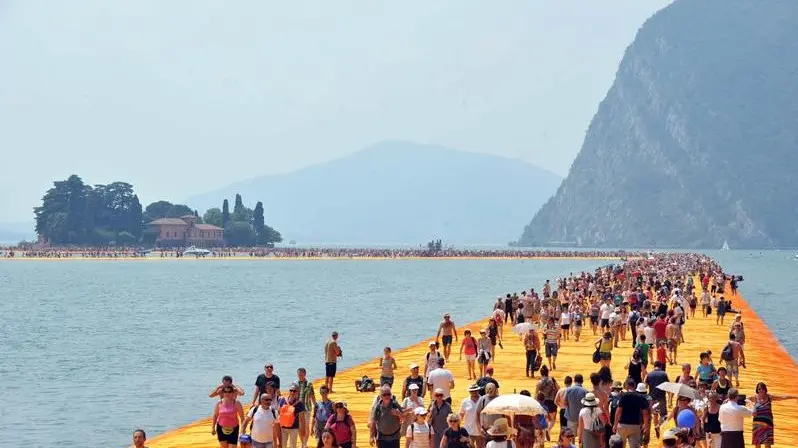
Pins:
x,y
590,400
420,411
500,428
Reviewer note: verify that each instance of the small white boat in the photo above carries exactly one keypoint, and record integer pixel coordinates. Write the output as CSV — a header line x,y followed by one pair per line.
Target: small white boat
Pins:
x,y
193,250
725,245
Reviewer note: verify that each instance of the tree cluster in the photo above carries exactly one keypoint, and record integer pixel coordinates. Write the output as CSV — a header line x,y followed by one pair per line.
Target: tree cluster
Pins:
x,y
73,212
243,227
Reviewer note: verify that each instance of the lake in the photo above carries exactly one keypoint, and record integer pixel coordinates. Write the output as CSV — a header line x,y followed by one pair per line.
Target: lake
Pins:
x,y
90,350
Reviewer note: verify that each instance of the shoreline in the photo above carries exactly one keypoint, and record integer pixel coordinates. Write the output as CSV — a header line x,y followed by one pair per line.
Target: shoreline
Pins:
x,y
291,258
767,360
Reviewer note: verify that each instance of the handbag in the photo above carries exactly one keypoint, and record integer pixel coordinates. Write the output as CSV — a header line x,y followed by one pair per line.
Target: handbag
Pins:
x,y
596,356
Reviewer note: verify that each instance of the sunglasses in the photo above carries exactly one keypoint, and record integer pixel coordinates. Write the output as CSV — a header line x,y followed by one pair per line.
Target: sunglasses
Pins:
x,y
269,368
438,395
386,395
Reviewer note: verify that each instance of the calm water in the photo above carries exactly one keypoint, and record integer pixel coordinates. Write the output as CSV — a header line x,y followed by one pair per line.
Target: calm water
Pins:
x,y
90,350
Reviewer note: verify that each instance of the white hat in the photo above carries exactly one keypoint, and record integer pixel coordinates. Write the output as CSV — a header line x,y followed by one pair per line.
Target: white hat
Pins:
x,y
413,386
590,400
420,411
413,366
439,391
641,388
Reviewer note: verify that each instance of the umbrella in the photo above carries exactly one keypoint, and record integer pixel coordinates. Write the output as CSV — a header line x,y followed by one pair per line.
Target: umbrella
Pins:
x,y
523,328
513,404
679,389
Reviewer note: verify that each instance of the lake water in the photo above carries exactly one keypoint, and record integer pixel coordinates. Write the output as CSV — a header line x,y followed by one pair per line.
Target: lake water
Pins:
x,y
90,350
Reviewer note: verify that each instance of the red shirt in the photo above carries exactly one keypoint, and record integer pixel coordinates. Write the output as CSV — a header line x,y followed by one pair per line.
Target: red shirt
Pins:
x,y
661,355
659,328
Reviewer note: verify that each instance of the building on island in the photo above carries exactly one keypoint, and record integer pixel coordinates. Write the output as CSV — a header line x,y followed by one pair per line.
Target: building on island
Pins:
x,y
185,231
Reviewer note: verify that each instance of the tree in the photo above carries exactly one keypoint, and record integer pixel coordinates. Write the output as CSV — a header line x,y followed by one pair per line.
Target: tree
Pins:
x,y
157,210
239,234
179,210
258,224
225,213
213,216
62,215
241,213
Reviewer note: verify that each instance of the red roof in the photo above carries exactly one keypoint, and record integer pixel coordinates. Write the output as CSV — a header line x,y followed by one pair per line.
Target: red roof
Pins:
x,y
207,227
169,221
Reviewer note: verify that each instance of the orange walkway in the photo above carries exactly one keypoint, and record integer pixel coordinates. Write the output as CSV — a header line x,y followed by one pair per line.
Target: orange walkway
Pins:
x,y
766,359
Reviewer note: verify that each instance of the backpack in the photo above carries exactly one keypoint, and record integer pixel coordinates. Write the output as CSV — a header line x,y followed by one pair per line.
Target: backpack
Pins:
x,y
613,407
323,411
727,354
287,415
366,385
633,318
638,352
255,411
347,422
596,425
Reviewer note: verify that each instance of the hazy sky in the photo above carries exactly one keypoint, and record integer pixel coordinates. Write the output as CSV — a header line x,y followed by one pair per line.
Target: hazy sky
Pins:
x,y
179,97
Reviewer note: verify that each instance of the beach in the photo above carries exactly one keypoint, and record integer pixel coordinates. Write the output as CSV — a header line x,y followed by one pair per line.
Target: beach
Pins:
x,y
767,360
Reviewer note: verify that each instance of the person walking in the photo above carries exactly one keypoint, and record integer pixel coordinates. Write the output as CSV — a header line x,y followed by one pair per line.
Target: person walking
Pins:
x,y
632,416
439,411
227,414
574,402
762,432
732,417
386,421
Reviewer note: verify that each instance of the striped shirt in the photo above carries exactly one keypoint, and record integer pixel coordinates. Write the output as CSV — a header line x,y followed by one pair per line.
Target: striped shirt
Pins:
x,y
552,334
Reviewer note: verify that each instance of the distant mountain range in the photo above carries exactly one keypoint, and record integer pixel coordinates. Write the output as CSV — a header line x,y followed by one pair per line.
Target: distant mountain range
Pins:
x,y
696,142
398,192
12,233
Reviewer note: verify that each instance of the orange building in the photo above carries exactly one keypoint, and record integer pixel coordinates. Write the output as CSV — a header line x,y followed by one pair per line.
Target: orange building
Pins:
x,y
185,231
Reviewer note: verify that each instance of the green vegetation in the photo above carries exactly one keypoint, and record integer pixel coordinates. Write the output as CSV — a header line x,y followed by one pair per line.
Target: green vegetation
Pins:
x,y
73,212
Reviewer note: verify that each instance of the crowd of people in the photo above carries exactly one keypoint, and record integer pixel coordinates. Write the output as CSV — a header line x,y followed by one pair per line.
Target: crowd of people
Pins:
x,y
295,252
644,303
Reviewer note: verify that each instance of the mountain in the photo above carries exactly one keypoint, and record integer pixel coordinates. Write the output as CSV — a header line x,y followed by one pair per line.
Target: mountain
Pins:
x,y
398,192
696,141
13,233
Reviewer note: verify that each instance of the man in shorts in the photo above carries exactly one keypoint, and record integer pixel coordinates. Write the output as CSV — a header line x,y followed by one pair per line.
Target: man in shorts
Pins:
x,y
332,351
447,331
552,336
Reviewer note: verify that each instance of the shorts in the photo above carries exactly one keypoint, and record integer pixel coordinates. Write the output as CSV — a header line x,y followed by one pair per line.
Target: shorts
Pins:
x,y
733,368
673,343
385,380
471,357
551,349
606,356
605,323
549,405
578,324
230,435
262,445
594,320
447,340
659,406
483,358
565,326
330,369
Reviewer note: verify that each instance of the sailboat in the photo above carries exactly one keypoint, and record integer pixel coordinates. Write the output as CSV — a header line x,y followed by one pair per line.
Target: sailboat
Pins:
x,y
725,245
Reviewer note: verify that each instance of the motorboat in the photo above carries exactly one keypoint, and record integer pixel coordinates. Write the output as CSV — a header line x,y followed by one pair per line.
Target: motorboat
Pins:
x,y
194,250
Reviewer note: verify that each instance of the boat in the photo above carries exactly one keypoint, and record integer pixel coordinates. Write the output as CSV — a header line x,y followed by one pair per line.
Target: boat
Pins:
x,y
725,245
194,250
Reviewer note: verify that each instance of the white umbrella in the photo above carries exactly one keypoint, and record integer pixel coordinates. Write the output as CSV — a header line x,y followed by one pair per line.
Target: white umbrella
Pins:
x,y
679,389
514,404
524,328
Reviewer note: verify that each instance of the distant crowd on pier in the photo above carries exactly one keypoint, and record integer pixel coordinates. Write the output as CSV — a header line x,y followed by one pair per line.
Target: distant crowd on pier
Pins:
x,y
295,252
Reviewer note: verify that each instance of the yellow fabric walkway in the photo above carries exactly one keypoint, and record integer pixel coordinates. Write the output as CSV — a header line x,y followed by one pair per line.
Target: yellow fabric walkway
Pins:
x,y
766,360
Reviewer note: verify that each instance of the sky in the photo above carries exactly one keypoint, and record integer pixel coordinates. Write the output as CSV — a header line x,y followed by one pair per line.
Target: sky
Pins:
x,y
184,96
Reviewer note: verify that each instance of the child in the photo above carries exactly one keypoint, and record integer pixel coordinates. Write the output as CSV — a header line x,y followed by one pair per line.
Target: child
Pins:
x,y
662,353
387,364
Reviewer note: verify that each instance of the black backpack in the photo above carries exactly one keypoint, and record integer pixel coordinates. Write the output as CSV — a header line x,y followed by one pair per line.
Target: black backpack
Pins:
x,y
255,411
727,354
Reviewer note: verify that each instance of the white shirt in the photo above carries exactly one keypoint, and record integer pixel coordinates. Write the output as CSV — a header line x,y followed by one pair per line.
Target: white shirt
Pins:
x,y
565,319
588,415
469,410
262,424
408,403
441,378
732,416
606,310
421,434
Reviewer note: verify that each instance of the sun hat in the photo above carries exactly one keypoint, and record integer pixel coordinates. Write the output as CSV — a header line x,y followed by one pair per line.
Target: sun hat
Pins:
x,y
439,391
590,400
413,366
474,387
641,388
293,386
500,428
671,434
617,385
431,343
413,386
420,411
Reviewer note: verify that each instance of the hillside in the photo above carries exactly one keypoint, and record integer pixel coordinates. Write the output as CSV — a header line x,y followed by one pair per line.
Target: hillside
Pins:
x,y
13,233
399,192
696,141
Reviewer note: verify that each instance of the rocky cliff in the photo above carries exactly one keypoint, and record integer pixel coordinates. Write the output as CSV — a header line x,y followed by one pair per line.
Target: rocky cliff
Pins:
x,y
696,141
